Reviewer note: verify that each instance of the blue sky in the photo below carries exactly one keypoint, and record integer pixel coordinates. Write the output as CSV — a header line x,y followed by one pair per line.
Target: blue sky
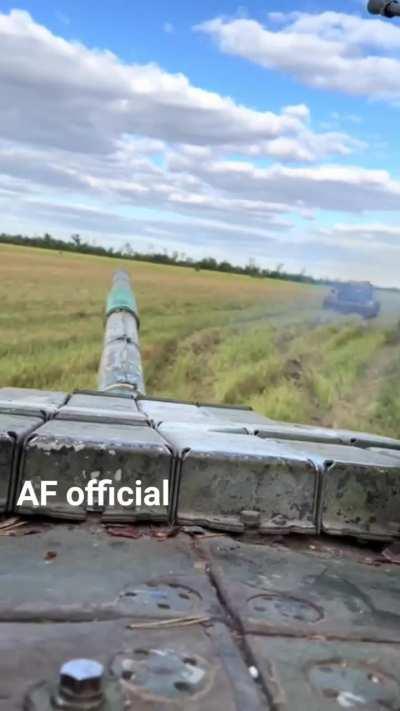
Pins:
x,y
264,131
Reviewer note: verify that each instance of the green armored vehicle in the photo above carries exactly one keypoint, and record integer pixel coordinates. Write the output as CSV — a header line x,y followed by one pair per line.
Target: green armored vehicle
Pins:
x,y
158,555
353,297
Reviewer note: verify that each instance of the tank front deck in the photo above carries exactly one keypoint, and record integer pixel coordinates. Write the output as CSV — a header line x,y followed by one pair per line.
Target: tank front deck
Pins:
x,y
242,591
188,619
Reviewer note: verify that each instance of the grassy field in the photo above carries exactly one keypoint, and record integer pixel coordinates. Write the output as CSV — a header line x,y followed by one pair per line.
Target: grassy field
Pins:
x,y
205,336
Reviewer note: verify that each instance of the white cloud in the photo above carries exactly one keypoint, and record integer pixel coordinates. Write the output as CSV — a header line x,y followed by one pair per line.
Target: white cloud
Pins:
x,y
88,144
328,50
85,100
370,235
326,187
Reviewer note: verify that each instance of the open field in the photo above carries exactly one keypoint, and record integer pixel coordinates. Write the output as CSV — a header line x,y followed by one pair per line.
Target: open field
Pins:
x,y
205,336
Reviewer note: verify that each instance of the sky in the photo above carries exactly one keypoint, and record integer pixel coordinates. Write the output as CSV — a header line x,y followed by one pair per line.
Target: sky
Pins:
x,y
267,131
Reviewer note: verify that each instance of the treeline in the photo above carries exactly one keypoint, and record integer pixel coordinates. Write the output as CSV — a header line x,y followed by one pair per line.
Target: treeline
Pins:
x,y
77,244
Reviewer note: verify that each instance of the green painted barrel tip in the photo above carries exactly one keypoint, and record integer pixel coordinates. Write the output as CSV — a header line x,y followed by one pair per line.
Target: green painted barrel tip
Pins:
x,y
121,296
120,365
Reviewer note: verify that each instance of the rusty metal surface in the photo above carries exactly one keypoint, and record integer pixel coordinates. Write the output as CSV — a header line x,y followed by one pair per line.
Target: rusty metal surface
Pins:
x,y
81,572
13,428
327,676
187,669
166,619
27,401
355,483
360,494
143,608
224,476
195,624
72,453
275,590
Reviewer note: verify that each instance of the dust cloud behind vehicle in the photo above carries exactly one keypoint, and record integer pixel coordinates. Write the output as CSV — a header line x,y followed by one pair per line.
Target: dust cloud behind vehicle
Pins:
x,y
353,297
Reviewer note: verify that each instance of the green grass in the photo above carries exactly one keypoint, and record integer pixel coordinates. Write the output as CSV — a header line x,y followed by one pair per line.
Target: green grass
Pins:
x,y
205,336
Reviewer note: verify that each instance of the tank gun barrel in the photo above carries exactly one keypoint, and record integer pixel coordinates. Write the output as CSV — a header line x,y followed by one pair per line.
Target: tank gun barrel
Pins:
x,y
387,8
121,364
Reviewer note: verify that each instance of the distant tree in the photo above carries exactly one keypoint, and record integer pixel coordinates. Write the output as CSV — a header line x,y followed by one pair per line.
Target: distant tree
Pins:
x,y
76,238
77,244
128,249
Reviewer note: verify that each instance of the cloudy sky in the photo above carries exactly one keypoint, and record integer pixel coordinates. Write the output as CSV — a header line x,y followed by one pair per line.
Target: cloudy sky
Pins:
x,y
268,131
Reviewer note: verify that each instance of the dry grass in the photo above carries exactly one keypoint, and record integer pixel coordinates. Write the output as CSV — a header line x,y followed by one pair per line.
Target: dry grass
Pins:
x,y
205,336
